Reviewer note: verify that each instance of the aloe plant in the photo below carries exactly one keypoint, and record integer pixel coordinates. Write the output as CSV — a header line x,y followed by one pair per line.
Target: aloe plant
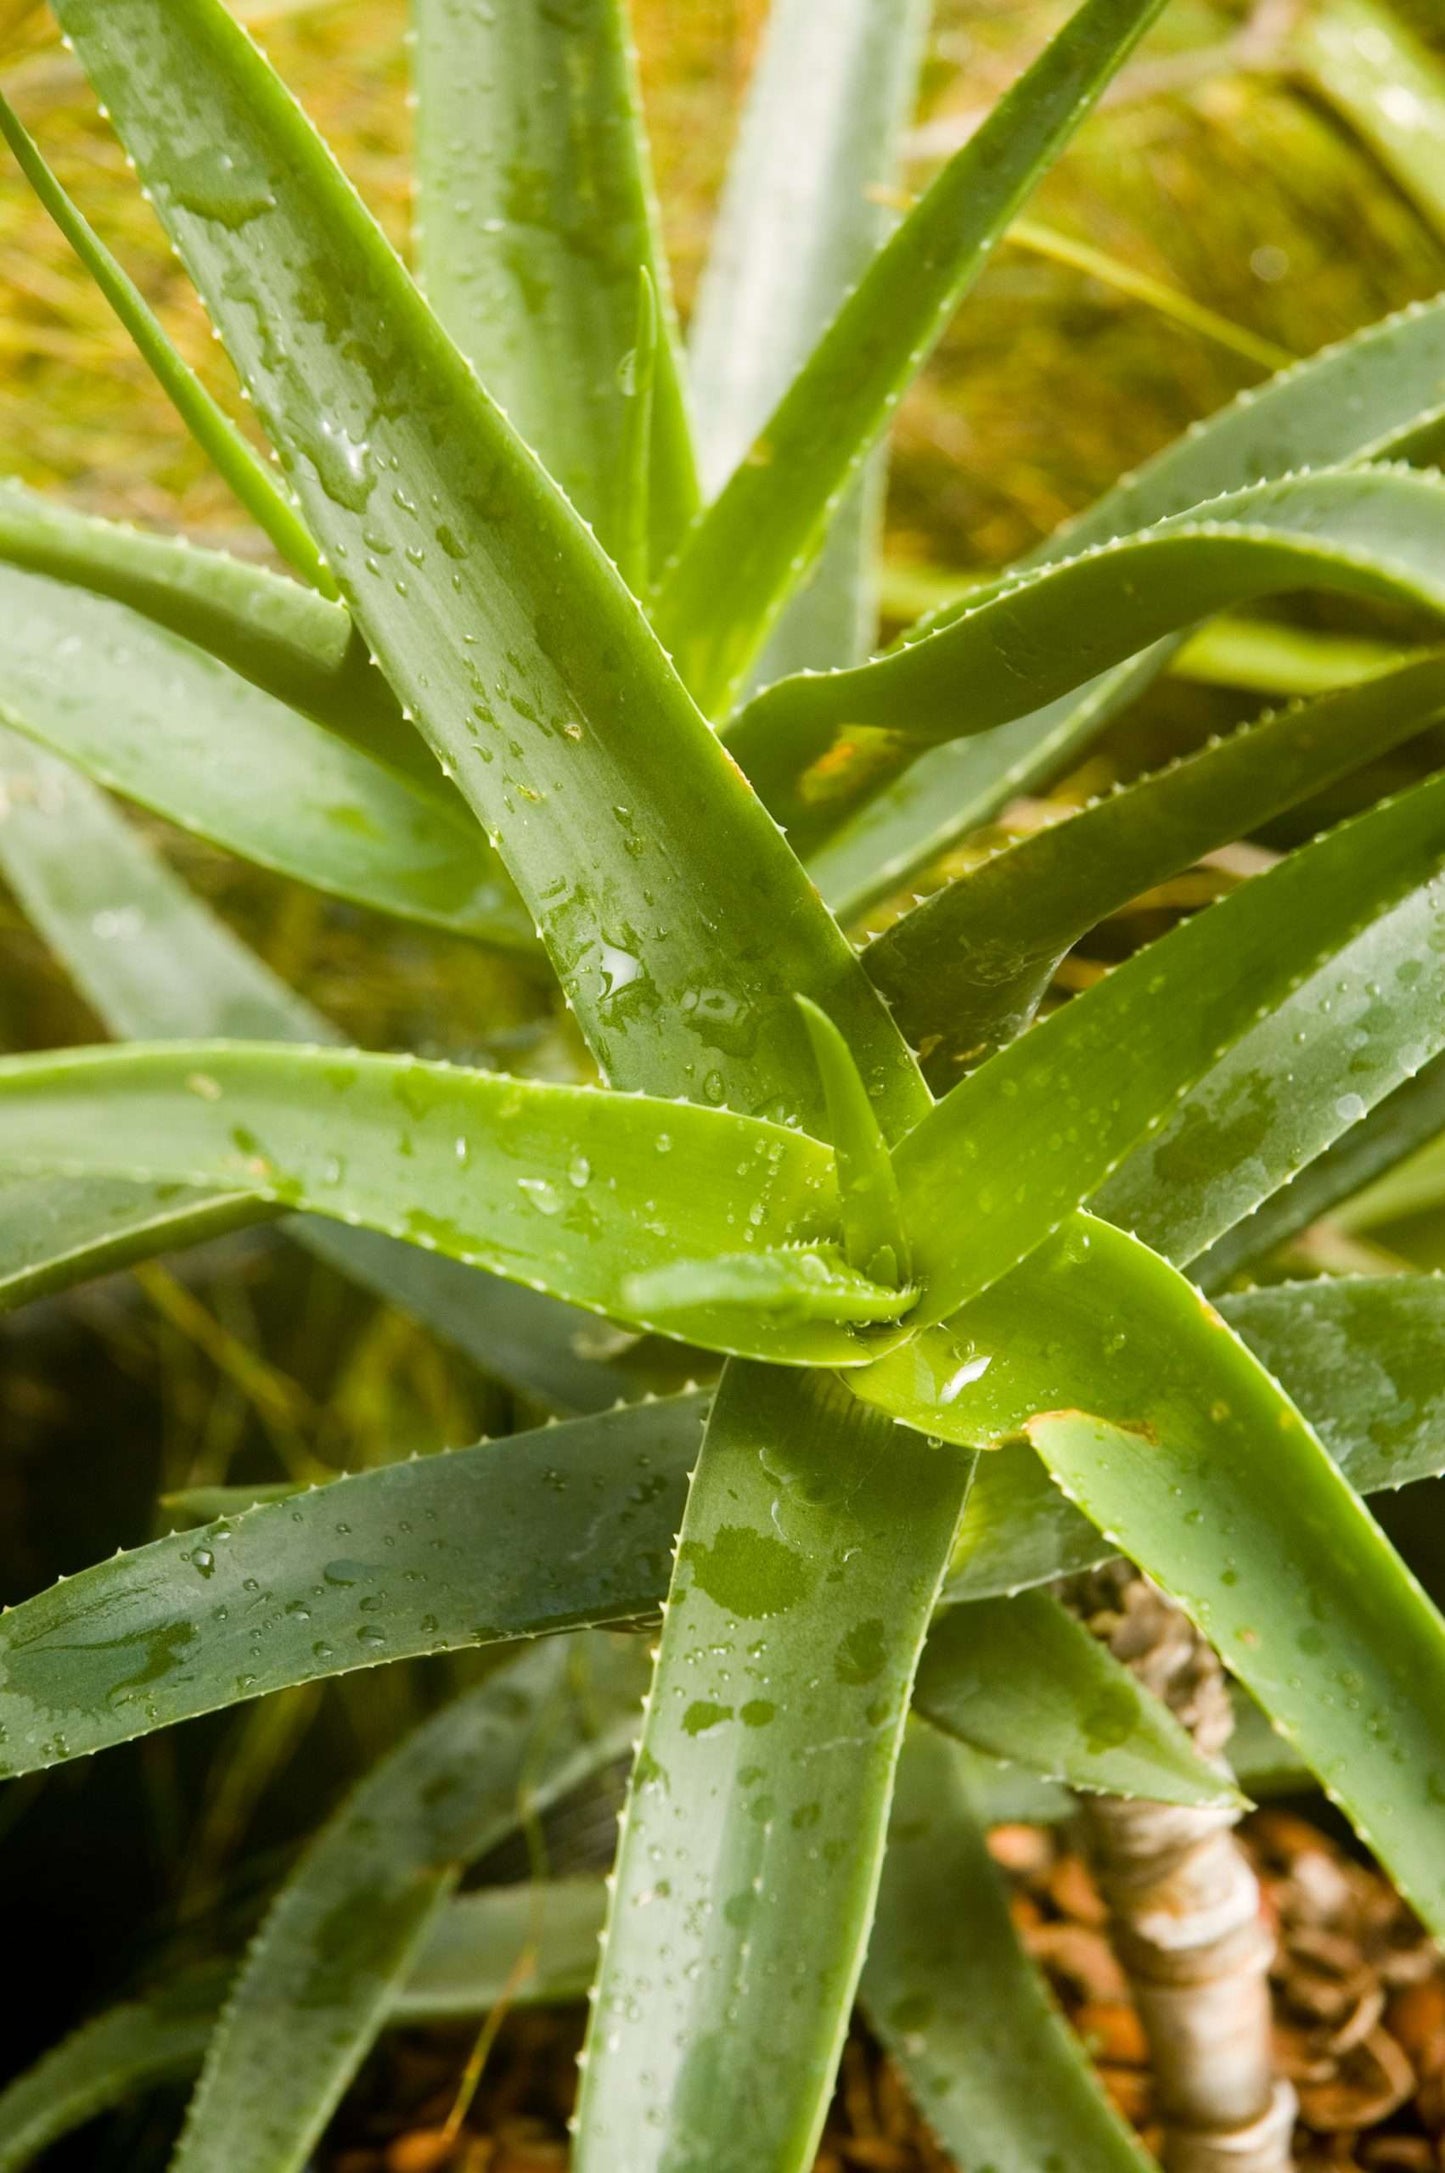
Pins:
x,y
933,1246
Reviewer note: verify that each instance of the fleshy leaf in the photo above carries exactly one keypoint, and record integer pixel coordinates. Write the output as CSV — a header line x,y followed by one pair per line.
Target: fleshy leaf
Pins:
x,y
147,713
677,919
874,1238
747,553
968,968
807,1568
1029,1135
536,278
815,744
1022,1679
567,1188
354,1915
996,2072
210,426
797,1283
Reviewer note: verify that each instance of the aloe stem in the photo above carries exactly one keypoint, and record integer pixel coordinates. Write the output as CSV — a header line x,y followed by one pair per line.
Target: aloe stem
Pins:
x,y
1184,1906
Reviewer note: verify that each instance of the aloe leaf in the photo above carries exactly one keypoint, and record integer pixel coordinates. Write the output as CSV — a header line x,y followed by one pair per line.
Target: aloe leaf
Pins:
x,y
284,638
995,2071
798,1282
566,1525
1346,1039
1185,1454
1266,656
958,787
566,1188
467,1961
803,211
969,967
1022,1679
535,216
874,1238
812,745
632,549
1361,1359
1387,85
677,919
809,1560
551,1927
150,715
748,551
209,425
1038,1129
116,2056
149,1638
153,961
351,1919
1376,395
1390,1132
57,1231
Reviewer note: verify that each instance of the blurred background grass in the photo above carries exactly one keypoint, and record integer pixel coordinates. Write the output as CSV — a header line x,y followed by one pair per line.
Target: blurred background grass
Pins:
x,y
1215,167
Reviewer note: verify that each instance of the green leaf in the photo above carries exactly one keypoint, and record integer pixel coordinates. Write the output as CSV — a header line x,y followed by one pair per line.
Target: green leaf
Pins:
x,y
796,1283
1300,1079
1376,395
874,1238
468,1959
350,1921
535,216
749,550
807,1569
152,961
1181,1449
994,2069
285,639
813,745
677,919
563,1526
633,548
1360,1359
1407,1117
567,1188
803,211
968,968
57,1231
1388,85
1036,1130
1022,1679
210,426
147,713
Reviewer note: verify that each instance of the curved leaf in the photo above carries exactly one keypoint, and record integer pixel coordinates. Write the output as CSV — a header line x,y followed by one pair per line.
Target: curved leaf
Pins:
x,y
677,919
210,426
1361,1359
996,2073
352,1918
1022,1679
751,547
467,1961
536,279
574,1191
803,210
153,961
1300,1079
968,968
809,1561
1029,1135
874,1238
150,715
1181,1449
566,1525
1367,532
1376,395
284,638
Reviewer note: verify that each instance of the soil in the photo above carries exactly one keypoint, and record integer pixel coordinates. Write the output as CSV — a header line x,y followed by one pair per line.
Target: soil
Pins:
x,y
1360,2019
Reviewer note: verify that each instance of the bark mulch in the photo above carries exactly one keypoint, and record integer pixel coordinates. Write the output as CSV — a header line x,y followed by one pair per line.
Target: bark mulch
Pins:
x,y
1359,2001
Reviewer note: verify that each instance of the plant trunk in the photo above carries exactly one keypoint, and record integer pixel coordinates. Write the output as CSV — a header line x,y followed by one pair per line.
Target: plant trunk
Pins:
x,y
1184,1906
